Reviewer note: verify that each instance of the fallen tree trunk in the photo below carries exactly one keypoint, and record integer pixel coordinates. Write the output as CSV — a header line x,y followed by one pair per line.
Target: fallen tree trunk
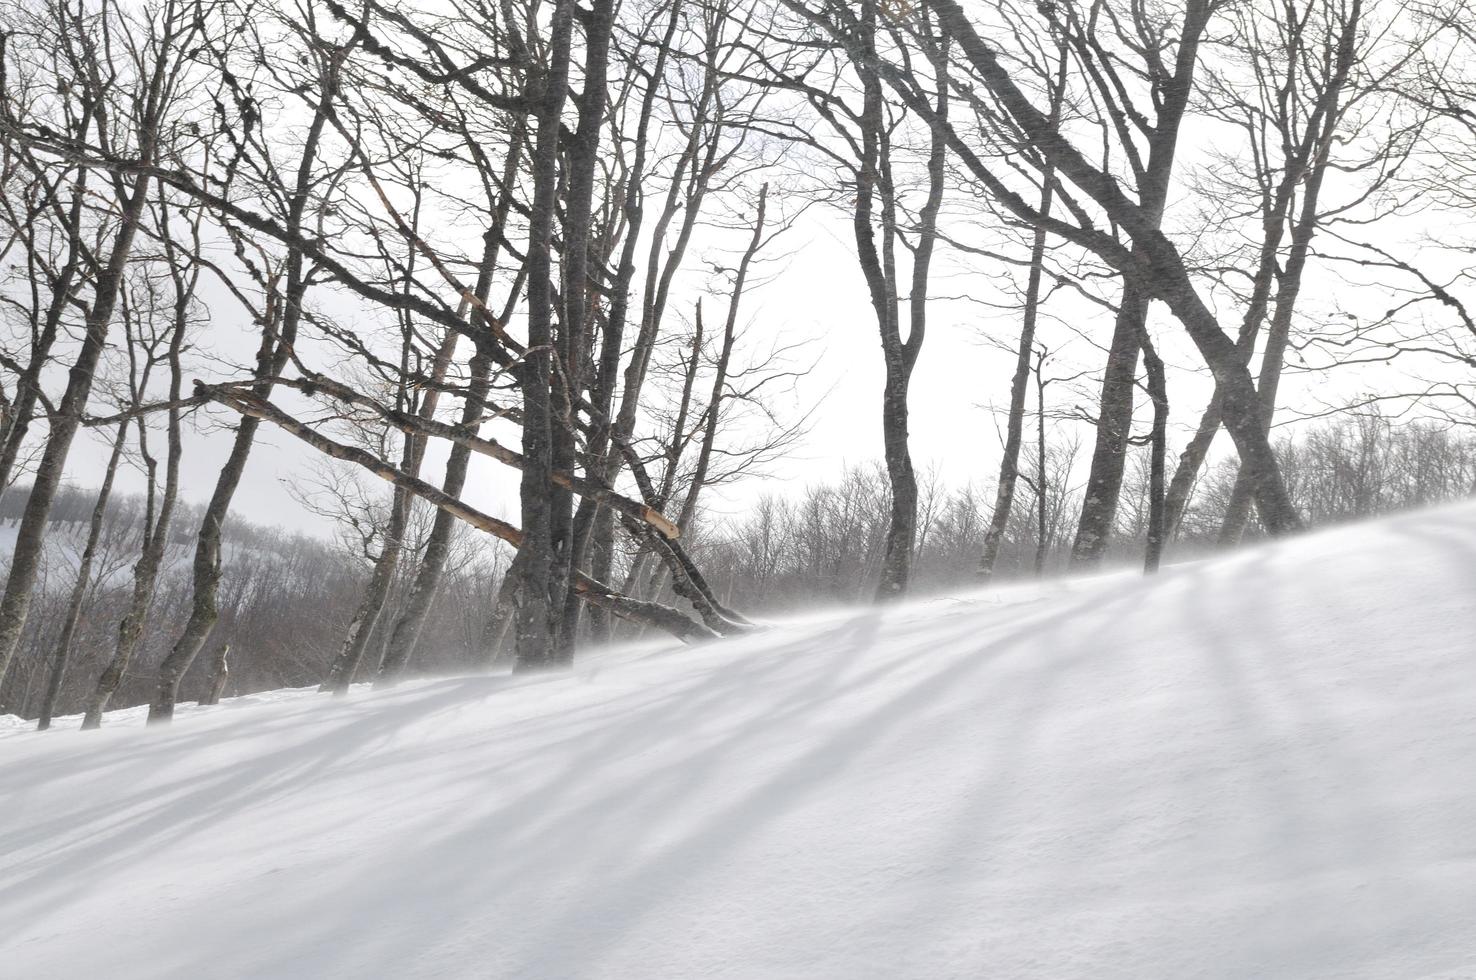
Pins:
x,y
661,533
417,425
592,591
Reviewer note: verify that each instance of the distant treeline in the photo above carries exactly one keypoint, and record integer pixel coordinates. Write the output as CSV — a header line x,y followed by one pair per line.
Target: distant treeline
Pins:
x,y
285,599
826,544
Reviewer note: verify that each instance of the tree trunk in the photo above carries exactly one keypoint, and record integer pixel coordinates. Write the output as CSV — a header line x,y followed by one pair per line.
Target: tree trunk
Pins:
x,y
1041,481
1158,448
899,356
26,556
896,565
351,653
345,666
1278,336
594,526
219,676
406,633
592,590
272,356
1305,165
1114,424
1114,427
73,615
28,385
1009,464
573,337
156,537
540,596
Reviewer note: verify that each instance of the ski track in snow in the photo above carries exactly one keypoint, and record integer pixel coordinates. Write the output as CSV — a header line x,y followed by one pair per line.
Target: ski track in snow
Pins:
x,y
1262,766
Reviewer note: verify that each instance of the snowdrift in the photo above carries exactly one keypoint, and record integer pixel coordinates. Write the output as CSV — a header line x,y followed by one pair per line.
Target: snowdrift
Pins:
x,y
1262,766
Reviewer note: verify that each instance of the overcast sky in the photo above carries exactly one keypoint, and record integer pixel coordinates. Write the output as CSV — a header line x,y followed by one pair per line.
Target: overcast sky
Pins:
x,y
813,293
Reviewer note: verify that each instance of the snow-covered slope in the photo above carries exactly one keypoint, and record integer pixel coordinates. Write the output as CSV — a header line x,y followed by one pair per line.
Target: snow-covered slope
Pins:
x,y
1258,767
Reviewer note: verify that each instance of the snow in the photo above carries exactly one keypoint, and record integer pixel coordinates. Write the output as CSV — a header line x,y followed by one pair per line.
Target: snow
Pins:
x,y
1258,766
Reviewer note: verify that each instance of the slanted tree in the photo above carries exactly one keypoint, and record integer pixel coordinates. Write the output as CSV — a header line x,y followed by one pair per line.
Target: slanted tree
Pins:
x,y
135,93
1152,262
253,156
154,343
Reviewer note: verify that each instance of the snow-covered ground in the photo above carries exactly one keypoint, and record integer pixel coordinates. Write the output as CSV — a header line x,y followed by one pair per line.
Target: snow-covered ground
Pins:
x,y
1257,767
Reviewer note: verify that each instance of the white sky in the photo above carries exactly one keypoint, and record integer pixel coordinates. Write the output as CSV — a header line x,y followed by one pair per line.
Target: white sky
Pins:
x,y
815,293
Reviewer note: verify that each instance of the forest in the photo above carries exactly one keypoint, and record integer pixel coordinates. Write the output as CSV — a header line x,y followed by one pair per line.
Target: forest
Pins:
x,y
513,283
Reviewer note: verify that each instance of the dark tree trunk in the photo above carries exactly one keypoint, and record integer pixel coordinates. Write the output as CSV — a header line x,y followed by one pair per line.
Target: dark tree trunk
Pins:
x,y
899,356
26,556
406,633
206,576
356,639
64,287
1158,450
573,341
1009,465
1278,336
277,340
345,666
594,526
1305,165
220,675
1114,428
1042,483
545,578
1237,513
1115,418
158,525
73,615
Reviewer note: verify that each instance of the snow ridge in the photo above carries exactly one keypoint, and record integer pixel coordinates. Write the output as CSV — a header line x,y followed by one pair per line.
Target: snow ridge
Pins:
x,y
1258,766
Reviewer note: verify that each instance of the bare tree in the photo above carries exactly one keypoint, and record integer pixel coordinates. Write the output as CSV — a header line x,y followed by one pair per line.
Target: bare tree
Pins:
x,y
154,346
280,317
133,88
84,583
1009,465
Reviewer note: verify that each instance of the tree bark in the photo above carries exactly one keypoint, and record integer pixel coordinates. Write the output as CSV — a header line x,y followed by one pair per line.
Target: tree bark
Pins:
x,y
899,356
594,525
592,590
155,537
1114,427
1278,336
277,342
1042,482
1305,164
73,615
540,596
219,676
28,385
406,633
573,336
1158,450
356,638
1115,418
1009,464
1153,263
346,665
30,538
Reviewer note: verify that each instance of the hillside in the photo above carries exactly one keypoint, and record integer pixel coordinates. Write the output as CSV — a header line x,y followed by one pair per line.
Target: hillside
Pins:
x,y
1260,766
